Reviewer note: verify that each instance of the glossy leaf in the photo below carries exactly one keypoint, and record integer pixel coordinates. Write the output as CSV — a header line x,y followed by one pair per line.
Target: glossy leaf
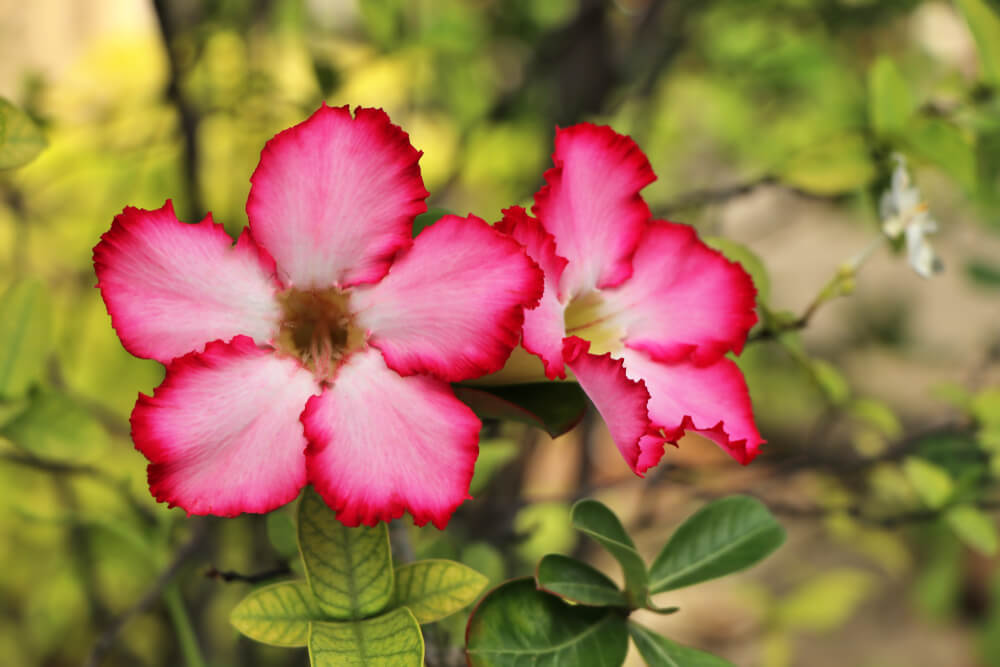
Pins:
x,y
974,527
435,589
390,640
985,26
658,651
516,624
890,102
554,407
349,570
24,337
596,520
932,482
278,614
725,536
20,139
578,582
56,428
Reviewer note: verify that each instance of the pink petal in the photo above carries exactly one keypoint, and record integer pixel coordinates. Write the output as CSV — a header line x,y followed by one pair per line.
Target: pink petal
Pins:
x,y
451,306
222,432
684,299
621,401
171,287
381,444
544,327
710,400
334,197
592,206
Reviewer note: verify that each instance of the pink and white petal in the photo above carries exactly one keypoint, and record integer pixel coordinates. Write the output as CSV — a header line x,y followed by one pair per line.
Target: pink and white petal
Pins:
x,y
334,197
684,299
544,326
710,400
592,207
171,287
381,444
222,433
621,401
453,304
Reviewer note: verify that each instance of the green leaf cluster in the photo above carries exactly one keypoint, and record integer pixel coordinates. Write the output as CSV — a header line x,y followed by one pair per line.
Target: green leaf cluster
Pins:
x,y
20,138
571,613
354,607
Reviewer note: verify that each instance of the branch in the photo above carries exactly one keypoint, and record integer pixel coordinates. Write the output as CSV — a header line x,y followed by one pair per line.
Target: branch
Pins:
x,y
108,638
229,576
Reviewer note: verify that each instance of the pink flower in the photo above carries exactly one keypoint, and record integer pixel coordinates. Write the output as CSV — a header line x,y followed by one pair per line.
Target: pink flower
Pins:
x,y
640,311
317,349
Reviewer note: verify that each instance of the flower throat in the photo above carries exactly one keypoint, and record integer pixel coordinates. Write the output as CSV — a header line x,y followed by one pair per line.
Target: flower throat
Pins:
x,y
317,328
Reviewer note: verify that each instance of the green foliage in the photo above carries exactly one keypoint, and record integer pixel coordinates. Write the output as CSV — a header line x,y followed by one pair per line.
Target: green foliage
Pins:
x,y
25,325
595,520
932,483
825,601
56,428
985,26
20,138
516,622
890,101
975,528
944,144
834,166
494,454
279,614
658,651
751,263
435,589
725,536
353,608
552,407
348,569
390,640
577,582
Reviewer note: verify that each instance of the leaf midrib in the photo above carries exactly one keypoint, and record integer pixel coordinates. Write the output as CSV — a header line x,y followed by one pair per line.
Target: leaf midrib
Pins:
x,y
655,586
576,639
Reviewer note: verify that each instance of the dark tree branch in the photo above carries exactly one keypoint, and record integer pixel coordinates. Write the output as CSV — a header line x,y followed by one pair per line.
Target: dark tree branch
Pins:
x,y
229,576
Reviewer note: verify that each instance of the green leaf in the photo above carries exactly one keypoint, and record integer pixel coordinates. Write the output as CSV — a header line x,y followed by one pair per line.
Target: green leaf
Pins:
x,y
983,272
554,407
938,141
20,139
932,482
485,559
831,381
544,528
596,520
25,322
349,570
516,624
278,614
425,220
825,602
840,164
494,454
751,263
578,582
435,589
658,651
974,527
985,27
890,102
56,428
390,640
725,536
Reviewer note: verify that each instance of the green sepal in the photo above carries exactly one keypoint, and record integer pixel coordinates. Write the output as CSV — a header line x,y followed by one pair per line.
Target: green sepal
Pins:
x,y
725,536
278,614
578,582
390,640
593,518
349,570
435,589
516,624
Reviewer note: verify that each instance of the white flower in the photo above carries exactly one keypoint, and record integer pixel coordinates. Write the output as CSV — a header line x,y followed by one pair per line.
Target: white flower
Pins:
x,y
903,212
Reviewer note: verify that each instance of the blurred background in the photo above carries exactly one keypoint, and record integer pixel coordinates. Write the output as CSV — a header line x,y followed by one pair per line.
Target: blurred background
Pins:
x,y
772,126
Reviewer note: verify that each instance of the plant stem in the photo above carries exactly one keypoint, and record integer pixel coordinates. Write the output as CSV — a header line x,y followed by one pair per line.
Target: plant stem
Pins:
x,y
182,625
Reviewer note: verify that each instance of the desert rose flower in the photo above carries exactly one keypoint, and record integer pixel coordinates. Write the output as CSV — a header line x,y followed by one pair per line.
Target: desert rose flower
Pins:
x,y
640,311
317,349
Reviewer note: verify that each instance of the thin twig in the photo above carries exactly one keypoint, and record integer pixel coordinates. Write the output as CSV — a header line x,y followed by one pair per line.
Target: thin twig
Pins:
x,y
110,635
228,576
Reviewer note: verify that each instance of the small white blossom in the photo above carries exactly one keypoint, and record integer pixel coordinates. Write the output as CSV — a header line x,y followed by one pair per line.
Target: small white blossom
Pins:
x,y
903,213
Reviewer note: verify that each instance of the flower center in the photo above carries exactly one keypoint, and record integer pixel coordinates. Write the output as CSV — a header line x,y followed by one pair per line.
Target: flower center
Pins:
x,y
588,317
318,328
